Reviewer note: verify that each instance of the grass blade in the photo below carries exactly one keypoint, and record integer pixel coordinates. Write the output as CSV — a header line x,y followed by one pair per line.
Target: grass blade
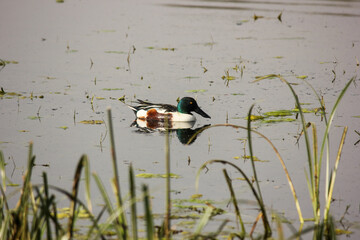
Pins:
x,y
2,170
168,197
326,135
291,185
261,201
233,199
148,214
133,202
75,190
333,175
122,219
203,220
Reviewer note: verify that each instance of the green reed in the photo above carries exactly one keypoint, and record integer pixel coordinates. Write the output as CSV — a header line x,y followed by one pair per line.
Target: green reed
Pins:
x,y
36,214
323,226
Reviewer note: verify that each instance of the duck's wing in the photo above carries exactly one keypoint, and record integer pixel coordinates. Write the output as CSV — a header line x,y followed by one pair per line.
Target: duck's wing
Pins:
x,y
148,105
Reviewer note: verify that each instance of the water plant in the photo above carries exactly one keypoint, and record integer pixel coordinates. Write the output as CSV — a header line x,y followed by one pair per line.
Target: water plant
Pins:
x,y
323,225
36,215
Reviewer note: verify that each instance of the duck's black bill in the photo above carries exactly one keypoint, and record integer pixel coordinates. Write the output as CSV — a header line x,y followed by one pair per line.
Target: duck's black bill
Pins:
x,y
202,113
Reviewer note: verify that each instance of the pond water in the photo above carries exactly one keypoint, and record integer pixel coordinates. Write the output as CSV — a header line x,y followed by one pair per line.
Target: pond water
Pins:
x,y
74,59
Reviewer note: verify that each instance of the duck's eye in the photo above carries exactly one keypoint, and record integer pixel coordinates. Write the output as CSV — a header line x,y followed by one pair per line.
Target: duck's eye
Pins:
x,y
190,102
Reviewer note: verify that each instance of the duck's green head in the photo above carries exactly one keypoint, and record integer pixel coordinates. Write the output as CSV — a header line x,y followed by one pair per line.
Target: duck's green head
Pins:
x,y
188,105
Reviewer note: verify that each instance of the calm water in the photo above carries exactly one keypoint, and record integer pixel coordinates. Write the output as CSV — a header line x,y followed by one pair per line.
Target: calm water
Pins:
x,y
74,52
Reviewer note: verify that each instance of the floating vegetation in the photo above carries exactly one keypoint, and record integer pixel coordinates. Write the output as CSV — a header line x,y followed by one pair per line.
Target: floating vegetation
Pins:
x,y
256,159
278,120
162,48
255,117
112,89
116,52
92,122
305,110
154,175
71,51
256,17
65,212
278,116
279,113
191,77
196,90
64,127
168,49
227,77
302,76
4,62
34,117
23,131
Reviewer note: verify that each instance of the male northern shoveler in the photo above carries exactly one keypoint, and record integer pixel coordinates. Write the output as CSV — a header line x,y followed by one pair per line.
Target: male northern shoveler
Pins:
x,y
147,111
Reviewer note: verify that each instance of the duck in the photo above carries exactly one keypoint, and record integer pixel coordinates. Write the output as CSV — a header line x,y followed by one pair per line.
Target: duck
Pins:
x,y
147,111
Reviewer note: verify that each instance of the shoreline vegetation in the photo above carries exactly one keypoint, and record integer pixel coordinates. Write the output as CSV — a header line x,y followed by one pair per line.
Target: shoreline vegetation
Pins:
x,y
36,215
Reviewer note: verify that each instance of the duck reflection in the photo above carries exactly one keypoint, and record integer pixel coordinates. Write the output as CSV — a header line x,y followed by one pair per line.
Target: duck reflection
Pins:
x,y
184,130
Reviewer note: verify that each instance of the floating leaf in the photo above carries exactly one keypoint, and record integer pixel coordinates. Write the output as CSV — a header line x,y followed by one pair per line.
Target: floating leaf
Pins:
x,y
356,116
255,117
116,52
279,113
279,57
304,110
100,98
121,98
152,175
168,49
342,231
196,196
12,185
65,213
64,127
254,158
302,76
241,179
13,94
71,51
33,117
228,77
92,122
3,63
196,90
259,78
278,120
256,17
112,89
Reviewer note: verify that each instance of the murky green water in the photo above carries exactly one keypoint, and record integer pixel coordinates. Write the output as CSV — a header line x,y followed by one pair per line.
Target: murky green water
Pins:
x,y
77,58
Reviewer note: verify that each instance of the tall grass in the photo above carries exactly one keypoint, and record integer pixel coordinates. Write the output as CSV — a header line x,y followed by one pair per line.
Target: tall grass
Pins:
x,y
323,225
36,215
